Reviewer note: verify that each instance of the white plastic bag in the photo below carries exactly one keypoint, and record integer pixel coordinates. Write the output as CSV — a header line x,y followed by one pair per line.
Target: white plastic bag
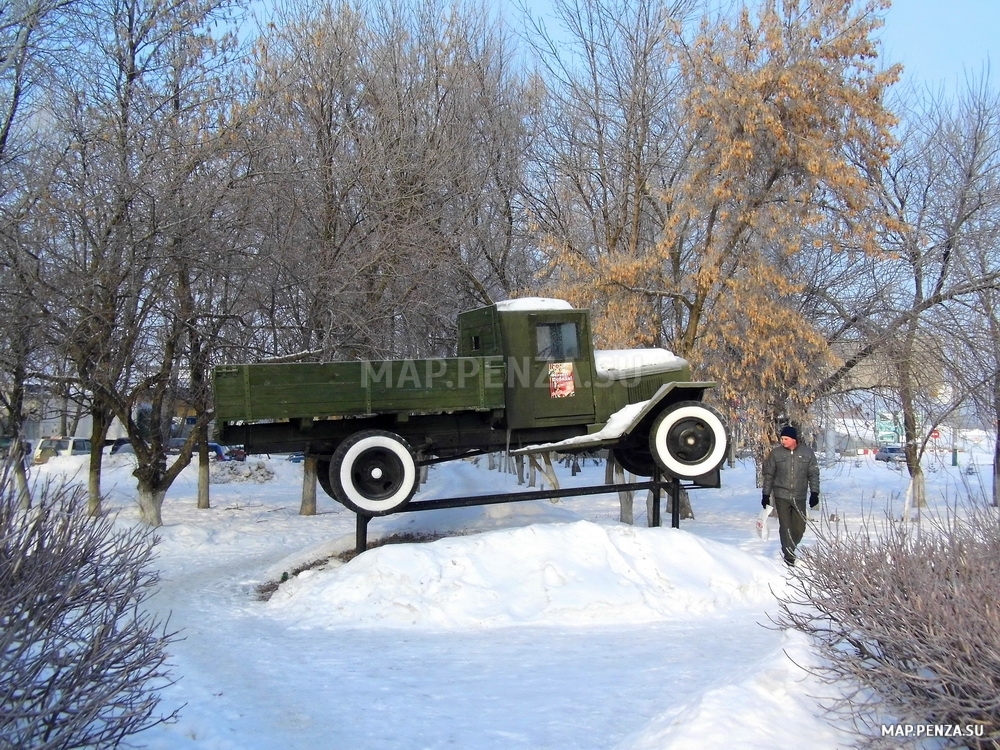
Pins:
x,y
763,530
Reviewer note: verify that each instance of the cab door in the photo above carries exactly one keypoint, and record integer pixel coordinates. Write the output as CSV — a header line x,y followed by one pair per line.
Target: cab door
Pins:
x,y
552,379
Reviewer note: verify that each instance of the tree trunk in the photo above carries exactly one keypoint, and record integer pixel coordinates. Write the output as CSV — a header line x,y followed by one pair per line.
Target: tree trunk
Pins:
x,y
919,487
308,506
19,455
204,470
20,459
94,483
615,474
547,470
151,505
102,418
996,470
204,479
907,385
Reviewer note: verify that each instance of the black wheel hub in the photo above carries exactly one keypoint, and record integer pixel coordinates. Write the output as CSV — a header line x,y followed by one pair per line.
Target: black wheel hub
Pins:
x,y
377,473
691,440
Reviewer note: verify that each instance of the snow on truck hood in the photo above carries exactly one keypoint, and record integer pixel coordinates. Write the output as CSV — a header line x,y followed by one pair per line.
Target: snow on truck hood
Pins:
x,y
623,363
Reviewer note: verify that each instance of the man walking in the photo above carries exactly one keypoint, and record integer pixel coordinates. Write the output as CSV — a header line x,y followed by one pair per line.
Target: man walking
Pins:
x,y
790,470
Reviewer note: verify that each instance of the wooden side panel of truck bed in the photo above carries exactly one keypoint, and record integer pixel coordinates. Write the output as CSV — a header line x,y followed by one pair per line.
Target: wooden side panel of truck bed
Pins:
x,y
343,389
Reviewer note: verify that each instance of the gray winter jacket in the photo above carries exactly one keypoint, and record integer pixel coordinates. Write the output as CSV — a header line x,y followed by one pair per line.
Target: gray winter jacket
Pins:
x,y
790,474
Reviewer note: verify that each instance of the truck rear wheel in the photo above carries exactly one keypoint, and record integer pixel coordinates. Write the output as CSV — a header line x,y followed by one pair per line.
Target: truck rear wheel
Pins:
x,y
688,439
373,472
323,476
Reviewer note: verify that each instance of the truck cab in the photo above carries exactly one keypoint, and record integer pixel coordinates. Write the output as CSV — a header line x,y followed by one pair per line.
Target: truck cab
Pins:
x,y
548,359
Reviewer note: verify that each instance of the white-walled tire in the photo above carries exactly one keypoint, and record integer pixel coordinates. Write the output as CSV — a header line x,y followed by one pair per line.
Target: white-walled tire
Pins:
x,y
374,472
688,440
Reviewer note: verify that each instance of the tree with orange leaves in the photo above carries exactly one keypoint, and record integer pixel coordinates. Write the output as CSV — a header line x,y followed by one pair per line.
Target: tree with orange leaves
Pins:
x,y
780,120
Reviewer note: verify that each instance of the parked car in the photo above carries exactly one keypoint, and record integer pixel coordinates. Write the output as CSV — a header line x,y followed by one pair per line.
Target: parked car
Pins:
x,y
122,445
890,453
218,452
60,446
236,453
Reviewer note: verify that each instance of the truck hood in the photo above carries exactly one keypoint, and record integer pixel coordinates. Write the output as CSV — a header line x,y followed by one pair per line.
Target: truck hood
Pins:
x,y
619,364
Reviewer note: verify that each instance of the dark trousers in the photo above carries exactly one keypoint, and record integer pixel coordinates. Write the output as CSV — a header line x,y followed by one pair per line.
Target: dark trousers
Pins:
x,y
791,525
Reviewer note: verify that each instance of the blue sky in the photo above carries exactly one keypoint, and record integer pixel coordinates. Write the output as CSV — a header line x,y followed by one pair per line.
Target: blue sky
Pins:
x,y
940,41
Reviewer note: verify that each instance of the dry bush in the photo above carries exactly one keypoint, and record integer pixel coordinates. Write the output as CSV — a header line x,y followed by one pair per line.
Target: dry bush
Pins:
x,y
80,658
908,614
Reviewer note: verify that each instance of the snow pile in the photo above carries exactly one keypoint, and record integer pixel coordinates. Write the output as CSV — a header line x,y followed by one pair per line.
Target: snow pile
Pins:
x,y
251,470
566,574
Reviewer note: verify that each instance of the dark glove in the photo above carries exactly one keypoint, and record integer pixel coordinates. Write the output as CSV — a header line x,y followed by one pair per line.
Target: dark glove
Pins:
x,y
813,499
765,500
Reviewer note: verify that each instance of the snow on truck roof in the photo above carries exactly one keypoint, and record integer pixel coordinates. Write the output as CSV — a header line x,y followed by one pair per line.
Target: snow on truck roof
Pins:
x,y
612,363
534,303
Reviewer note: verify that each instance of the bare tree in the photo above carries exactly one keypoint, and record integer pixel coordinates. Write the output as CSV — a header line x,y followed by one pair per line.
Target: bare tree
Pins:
x,y
609,142
387,120
81,658
31,46
31,42
939,192
150,150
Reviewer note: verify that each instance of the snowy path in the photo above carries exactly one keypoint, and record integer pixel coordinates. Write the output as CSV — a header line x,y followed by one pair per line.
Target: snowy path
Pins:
x,y
247,676
530,625
517,687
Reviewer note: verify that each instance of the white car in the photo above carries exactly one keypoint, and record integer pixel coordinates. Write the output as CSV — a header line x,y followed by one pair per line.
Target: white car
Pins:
x,y
60,446
891,454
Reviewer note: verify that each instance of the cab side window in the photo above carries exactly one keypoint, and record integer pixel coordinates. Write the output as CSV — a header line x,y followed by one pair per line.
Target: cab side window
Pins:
x,y
557,341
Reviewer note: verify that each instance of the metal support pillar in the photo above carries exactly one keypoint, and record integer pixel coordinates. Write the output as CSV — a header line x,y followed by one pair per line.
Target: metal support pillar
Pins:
x,y
361,533
654,519
675,499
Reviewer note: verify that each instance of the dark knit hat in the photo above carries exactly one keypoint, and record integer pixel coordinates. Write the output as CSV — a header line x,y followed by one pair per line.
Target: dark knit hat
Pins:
x,y
789,431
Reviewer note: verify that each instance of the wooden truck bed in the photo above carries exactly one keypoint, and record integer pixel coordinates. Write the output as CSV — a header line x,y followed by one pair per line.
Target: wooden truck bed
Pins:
x,y
280,391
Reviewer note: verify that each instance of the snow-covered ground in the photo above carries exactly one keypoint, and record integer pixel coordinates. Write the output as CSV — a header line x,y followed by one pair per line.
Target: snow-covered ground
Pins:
x,y
528,625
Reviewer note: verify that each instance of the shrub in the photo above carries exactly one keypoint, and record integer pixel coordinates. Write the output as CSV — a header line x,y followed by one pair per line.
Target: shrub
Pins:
x,y
80,658
909,615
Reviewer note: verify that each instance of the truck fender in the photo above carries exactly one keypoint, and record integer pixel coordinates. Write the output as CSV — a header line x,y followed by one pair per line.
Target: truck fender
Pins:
x,y
682,436
666,394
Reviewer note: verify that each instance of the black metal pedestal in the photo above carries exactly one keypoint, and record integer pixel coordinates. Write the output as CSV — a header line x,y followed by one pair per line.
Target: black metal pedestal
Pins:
x,y
655,483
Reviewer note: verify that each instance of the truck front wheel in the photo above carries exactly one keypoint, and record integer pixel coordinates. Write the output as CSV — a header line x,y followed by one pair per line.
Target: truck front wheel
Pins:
x,y
633,459
688,439
373,472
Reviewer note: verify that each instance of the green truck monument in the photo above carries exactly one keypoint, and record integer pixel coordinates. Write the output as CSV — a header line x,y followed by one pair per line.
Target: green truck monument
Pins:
x,y
526,380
